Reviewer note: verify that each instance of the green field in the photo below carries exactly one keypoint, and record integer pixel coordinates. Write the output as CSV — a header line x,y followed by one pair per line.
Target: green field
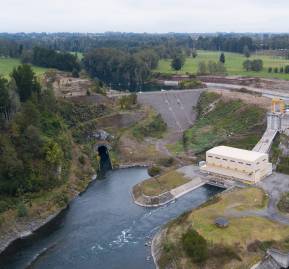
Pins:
x,y
7,65
234,64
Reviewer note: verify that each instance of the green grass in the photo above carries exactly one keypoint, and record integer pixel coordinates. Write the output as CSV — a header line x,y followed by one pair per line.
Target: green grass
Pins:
x,y
234,64
158,185
241,233
7,65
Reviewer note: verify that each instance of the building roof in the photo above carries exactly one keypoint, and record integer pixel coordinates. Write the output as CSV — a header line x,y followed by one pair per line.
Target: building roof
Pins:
x,y
235,153
222,222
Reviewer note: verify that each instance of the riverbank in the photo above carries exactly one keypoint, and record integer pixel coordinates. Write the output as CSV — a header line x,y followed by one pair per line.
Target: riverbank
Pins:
x,y
242,243
25,228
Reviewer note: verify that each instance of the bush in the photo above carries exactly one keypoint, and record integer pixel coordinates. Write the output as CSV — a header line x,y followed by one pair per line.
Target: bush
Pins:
x,y
4,206
276,70
191,84
154,171
195,246
286,69
270,69
167,162
81,159
22,210
154,128
255,65
281,70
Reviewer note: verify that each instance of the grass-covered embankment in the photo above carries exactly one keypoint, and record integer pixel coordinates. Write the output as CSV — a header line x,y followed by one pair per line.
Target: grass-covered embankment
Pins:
x,y
221,121
240,245
161,184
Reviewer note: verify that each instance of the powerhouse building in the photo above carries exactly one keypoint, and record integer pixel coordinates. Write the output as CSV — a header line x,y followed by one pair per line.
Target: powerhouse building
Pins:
x,y
244,165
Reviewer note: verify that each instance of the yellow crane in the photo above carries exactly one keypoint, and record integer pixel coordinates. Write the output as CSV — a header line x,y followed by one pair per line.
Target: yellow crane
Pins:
x,y
278,105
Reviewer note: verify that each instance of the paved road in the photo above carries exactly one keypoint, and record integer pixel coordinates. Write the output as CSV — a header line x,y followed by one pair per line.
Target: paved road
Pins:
x,y
274,186
265,92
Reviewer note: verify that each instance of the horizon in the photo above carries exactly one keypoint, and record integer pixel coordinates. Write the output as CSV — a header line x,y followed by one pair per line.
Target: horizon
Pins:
x,y
158,16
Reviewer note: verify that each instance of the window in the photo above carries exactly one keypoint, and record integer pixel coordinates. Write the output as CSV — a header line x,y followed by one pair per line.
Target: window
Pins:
x,y
225,160
217,158
248,164
232,161
258,163
240,163
264,160
210,156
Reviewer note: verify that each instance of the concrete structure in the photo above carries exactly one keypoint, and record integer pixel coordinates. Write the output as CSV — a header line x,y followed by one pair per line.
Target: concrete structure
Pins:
x,y
236,163
265,143
274,259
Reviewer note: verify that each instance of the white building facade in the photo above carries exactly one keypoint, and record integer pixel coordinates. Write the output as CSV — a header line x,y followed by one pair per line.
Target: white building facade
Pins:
x,y
243,165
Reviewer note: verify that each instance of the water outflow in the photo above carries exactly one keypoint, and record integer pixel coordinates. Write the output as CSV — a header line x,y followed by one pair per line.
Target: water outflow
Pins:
x,y
103,228
105,162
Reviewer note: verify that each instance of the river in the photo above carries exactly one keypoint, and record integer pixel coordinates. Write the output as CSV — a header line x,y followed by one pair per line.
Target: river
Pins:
x,y
102,229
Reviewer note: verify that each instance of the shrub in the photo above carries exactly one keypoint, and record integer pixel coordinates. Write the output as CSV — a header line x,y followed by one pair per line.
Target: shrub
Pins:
x,y
195,246
81,159
75,73
4,206
154,171
281,70
191,84
22,210
167,162
276,70
286,69
270,69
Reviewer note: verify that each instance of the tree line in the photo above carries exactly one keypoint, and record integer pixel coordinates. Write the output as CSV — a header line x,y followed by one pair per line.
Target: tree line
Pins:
x,y
119,67
49,58
166,45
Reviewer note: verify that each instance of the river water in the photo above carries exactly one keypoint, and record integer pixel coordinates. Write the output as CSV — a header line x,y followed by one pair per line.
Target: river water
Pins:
x,y
102,229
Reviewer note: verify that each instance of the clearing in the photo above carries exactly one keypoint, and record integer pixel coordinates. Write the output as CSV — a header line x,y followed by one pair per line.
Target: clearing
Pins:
x,y
234,64
7,65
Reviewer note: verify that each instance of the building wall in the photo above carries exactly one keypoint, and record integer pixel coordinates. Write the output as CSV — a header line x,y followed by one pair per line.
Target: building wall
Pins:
x,y
243,170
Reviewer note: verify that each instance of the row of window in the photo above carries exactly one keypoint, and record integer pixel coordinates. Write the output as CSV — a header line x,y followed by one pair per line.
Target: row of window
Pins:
x,y
232,161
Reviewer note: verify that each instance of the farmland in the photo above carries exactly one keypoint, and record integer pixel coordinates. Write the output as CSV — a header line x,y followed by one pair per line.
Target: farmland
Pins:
x,y
234,64
7,65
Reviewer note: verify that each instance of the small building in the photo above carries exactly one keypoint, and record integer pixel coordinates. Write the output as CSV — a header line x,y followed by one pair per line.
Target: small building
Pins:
x,y
221,222
244,165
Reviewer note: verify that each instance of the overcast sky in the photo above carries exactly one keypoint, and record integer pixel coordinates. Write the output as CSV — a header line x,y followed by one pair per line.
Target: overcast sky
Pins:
x,y
144,15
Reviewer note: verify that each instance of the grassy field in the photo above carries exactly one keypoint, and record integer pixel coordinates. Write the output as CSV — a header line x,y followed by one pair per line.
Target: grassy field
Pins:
x,y
7,65
240,245
234,64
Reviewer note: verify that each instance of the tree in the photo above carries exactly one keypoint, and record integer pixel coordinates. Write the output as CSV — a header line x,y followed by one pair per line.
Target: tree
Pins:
x,y
194,53
202,68
178,62
257,65
26,82
5,104
75,73
246,51
247,65
222,58
195,246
